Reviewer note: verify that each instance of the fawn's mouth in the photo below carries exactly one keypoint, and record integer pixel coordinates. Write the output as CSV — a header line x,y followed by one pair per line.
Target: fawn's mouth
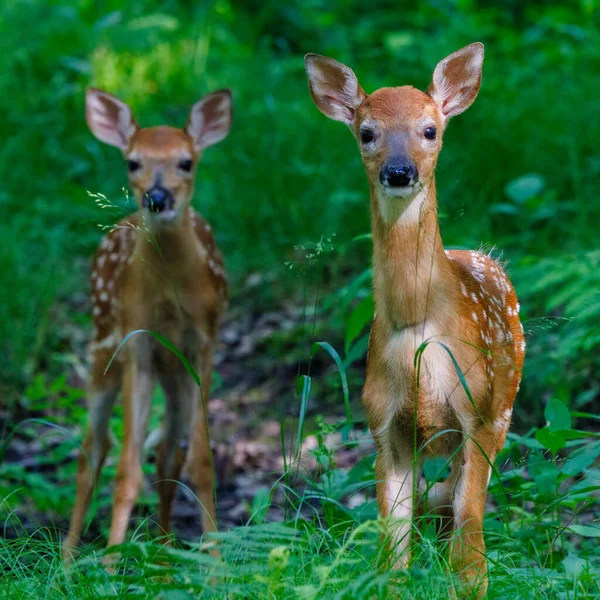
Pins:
x,y
164,216
400,192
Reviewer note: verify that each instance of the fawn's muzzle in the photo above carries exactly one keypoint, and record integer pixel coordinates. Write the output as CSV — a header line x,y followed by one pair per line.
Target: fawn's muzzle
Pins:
x,y
158,199
398,174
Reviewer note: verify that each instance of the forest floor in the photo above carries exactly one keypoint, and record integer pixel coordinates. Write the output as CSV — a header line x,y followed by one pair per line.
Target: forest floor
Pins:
x,y
257,361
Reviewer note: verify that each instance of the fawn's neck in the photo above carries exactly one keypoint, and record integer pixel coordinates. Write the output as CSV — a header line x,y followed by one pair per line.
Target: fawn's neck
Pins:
x,y
409,263
169,249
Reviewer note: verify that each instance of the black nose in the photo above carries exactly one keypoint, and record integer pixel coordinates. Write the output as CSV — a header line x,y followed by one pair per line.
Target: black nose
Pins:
x,y
398,175
158,199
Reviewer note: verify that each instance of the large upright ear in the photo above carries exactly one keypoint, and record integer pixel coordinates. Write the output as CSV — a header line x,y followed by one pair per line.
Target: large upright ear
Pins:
x,y
210,119
333,87
456,80
109,118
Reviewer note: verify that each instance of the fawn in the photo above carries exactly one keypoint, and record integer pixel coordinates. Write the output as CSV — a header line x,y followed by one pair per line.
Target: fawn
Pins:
x,y
432,307
160,270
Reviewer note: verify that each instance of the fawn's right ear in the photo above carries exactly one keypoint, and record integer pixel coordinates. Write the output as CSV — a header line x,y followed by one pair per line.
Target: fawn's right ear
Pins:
x,y
333,87
109,118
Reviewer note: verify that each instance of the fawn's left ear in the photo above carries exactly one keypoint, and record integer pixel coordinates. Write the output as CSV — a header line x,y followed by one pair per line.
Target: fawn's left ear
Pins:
x,y
456,80
210,119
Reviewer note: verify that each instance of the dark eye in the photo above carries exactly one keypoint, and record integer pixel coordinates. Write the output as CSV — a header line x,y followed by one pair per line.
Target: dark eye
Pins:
x,y
186,165
133,165
366,136
430,133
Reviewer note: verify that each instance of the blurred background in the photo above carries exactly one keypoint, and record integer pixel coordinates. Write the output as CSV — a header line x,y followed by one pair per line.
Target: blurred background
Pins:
x,y
286,193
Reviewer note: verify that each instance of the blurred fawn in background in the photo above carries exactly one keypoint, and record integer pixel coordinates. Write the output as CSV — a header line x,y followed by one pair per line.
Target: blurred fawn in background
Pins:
x,y
437,311
159,270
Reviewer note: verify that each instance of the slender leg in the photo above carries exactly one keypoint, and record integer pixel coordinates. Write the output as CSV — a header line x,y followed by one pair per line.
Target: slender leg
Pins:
x,y
138,385
394,474
199,459
179,392
101,399
467,554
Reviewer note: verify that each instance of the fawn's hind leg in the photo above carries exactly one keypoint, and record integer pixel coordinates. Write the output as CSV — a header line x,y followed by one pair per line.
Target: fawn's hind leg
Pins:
x,y
199,460
179,394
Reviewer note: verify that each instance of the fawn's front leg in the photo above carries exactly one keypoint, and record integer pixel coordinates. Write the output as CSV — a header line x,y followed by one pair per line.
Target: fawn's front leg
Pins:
x,y
395,494
467,553
138,385
101,397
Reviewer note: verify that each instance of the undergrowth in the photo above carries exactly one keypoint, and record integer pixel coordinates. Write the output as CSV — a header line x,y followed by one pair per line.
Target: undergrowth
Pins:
x,y
540,527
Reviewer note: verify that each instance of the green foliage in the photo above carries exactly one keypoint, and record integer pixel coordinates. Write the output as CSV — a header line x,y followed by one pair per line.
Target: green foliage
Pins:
x,y
541,542
520,171
564,345
540,539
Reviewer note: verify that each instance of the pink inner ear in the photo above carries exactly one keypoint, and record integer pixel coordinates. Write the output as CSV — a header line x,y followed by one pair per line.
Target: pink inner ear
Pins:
x,y
210,120
111,122
343,110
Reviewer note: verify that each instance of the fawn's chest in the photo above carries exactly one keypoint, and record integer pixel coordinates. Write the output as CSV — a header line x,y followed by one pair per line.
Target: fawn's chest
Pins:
x,y
417,359
168,301
429,363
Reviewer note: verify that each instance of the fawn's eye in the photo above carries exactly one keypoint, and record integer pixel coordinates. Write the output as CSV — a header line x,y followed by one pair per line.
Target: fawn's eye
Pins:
x,y
133,165
430,133
366,136
186,165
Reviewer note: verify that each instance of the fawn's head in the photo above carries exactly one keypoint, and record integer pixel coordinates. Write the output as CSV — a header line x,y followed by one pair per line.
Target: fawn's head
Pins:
x,y
161,161
399,130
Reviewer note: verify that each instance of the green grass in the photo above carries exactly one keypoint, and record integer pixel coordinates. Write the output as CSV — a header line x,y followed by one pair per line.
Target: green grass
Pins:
x,y
536,546
286,176
540,525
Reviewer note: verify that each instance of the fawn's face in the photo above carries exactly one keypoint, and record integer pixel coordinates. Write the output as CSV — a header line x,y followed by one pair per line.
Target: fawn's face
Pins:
x,y
161,161
398,130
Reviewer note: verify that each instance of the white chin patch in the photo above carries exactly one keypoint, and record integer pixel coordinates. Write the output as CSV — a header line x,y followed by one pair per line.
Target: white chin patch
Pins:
x,y
161,219
399,192
398,202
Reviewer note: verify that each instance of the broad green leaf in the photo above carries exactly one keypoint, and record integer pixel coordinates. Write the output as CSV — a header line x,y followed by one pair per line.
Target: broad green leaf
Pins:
x,y
361,315
544,473
585,530
552,440
581,460
436,469
358,349
574,565
525,187
557,414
